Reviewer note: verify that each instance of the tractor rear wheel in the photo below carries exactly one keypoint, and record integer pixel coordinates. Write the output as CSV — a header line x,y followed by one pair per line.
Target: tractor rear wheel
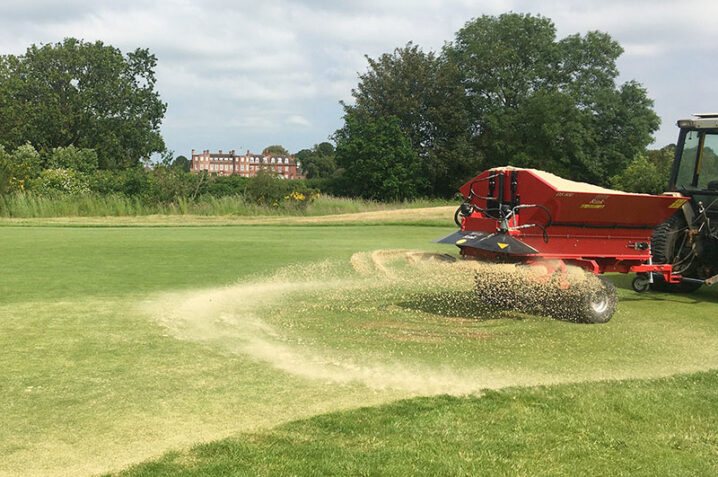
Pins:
x,y
671,243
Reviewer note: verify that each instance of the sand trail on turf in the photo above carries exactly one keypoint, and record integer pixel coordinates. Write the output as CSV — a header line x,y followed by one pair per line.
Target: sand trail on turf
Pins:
x,y
231,319
237,319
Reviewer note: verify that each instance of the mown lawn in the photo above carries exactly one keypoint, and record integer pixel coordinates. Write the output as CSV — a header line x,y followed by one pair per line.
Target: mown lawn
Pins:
x,y
122,343
648,428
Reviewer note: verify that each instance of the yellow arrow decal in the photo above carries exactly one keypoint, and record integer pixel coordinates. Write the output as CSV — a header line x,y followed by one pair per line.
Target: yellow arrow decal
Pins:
x,y
461,241
502,245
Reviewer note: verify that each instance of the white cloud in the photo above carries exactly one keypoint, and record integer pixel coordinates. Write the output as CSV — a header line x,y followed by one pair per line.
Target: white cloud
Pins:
x,y
643,49
298,120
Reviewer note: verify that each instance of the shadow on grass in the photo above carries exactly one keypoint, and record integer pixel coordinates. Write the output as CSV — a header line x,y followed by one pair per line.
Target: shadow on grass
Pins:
x,y
459,304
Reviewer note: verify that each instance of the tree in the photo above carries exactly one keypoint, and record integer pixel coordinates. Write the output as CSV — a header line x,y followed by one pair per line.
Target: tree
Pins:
x,y
52,182
81,160
182,163
648,173
318,162
18,168
5,172
378,160
538,102
84,94
275,150
324,149
424,92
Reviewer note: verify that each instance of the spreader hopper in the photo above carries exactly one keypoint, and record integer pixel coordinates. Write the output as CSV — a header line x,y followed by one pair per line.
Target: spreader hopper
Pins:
x,y
532,217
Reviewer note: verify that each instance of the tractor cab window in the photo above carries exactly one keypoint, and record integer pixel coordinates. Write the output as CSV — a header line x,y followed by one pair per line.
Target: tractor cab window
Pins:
x,y
708,161
689,157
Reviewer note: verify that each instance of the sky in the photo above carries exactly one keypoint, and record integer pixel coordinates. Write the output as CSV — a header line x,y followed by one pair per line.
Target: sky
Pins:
x,y
242,75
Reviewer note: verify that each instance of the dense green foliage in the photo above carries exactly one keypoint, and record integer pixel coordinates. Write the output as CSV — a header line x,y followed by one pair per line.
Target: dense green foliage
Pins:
x,y
182,163
80,160
275,150
18,168
87,95
424,92
648,173
266,188
378,160
506,91
538,102
318,162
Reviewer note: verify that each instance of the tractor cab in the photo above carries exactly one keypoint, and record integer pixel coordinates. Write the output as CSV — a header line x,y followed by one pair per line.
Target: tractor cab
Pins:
x,y
695,167
688,240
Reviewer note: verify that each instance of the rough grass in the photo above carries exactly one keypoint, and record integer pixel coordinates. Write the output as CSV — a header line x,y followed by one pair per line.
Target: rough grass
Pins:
x,y
439,216
104,365
28,205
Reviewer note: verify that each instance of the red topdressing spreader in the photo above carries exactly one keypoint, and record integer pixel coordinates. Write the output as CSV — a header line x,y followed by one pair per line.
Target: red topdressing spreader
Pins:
x,y
535,218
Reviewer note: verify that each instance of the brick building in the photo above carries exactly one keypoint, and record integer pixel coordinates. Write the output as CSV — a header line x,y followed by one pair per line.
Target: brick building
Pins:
x,y
246,165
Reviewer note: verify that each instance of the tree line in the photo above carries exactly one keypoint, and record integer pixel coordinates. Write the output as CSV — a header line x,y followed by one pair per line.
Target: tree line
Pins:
x,y
78,117
504,91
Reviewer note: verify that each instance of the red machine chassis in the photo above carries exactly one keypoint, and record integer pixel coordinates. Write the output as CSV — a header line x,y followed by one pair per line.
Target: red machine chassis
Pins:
x,y
526,216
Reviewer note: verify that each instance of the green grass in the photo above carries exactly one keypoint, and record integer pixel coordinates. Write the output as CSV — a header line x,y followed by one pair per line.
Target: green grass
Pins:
x,y
123,343
661,427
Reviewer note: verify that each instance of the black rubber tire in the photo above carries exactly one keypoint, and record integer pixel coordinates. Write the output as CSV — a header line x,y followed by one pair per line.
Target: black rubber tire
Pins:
x,y
640,283
597,305
664,242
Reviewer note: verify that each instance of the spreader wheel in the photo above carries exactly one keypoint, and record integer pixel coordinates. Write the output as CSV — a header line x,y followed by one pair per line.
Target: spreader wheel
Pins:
x,y
641,283
597,304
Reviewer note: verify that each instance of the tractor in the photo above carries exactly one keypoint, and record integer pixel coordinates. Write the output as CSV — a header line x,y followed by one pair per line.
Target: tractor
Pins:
x,y
548,225
688,240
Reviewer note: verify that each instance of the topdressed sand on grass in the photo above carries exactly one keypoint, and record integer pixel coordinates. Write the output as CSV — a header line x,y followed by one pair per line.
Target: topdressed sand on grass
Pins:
x,y
309,339
239,319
